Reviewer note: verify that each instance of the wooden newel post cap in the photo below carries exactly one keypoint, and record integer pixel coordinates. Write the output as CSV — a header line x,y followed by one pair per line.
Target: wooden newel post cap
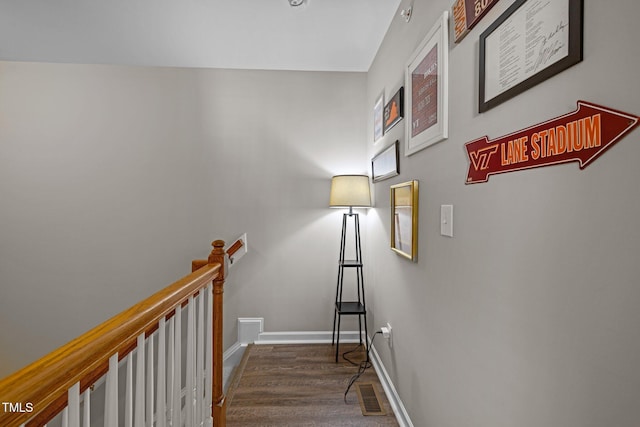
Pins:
x,y
218,246
218,255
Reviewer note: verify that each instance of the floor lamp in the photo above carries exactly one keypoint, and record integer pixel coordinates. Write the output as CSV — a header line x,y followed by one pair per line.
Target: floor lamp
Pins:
x,y
350,191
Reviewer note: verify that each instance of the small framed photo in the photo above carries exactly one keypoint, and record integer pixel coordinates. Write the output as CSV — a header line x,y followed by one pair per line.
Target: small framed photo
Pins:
x,y
530,42
394,110
385,164
426,77
404,219
377,118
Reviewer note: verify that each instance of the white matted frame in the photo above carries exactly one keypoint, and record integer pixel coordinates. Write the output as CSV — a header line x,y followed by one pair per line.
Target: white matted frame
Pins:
x,y
385,164
378,109
553,33
427,81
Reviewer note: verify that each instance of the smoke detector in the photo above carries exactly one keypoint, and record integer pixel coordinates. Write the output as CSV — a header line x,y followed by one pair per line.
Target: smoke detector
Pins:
x,y
295,2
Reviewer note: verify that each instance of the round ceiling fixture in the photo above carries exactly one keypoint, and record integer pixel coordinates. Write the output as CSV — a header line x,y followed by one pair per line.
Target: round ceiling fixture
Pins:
x,y
295,2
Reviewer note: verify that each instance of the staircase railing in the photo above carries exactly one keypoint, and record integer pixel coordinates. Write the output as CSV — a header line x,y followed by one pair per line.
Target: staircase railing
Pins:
x,y
61,383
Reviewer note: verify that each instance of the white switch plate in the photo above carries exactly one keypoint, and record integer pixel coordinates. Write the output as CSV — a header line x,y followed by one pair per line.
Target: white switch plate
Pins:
x,y
446,220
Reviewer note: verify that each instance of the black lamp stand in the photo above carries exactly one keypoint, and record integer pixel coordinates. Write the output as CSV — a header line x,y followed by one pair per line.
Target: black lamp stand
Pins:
x,y
350,308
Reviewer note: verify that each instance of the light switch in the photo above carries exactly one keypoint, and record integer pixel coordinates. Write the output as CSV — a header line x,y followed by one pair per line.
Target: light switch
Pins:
x,y
446,220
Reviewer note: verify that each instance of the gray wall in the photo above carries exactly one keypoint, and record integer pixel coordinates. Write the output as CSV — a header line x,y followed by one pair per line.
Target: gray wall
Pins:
x,y
529,315
276,140
112,179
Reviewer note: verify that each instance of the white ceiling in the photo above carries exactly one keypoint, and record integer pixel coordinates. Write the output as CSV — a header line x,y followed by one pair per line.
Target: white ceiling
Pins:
x,y
321,35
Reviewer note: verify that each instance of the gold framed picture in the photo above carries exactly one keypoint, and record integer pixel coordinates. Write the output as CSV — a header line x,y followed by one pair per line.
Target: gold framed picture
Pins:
x,y
404,219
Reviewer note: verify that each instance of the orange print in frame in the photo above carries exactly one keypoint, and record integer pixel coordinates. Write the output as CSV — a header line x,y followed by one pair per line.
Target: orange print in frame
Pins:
x,y
394,110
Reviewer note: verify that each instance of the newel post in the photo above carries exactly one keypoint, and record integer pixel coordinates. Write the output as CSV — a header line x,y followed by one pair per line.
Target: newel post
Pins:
x,y
218,255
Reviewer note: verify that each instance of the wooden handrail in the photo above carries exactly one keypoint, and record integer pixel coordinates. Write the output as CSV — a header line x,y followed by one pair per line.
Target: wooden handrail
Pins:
x,y
235,247
45,382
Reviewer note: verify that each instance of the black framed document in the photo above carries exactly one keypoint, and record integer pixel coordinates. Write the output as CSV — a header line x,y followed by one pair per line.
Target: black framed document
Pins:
x,y
530,42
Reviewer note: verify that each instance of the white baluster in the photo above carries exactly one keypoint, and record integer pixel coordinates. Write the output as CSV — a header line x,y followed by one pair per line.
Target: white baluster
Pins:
x,y
177,381
149,393
208,386
65,417
87,408
161,384
73,399
200,359
170,371
111,394
188,405
128,394
140,395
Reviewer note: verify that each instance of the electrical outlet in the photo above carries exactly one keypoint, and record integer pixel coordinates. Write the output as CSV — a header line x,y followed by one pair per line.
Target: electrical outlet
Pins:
x,y
387,333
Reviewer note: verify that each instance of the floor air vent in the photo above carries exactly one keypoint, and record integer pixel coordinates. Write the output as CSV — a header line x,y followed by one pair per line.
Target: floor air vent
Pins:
x,y
369,399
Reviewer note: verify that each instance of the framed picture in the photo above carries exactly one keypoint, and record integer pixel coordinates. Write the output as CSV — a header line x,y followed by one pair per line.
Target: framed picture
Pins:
x,y
404,219
466,14
385,164
426,77
530,42
377,118
394,110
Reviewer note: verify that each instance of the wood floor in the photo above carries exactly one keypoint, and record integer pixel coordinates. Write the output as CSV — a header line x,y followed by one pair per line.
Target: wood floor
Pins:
x,y
300,385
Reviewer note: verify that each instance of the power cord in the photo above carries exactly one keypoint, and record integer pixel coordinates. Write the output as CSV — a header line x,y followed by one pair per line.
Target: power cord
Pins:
x,y
361,367
344,355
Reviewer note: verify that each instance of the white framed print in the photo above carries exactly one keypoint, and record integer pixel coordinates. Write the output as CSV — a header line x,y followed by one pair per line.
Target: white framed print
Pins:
x,y
378,109
427,81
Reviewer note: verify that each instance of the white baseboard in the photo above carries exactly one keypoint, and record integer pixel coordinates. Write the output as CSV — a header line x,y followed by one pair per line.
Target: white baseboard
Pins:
x,y
317,337
249,329
230,359
253,329
231,355
389,389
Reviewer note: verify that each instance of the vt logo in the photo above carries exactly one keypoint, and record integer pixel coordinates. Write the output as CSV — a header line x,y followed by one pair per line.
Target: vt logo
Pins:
x,y
480,158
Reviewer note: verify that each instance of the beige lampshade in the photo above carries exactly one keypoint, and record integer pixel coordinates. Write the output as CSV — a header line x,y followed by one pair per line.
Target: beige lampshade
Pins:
x,y
350,191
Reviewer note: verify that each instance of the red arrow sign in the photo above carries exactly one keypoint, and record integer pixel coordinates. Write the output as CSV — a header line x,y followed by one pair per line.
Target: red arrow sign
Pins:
x,y
581,136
